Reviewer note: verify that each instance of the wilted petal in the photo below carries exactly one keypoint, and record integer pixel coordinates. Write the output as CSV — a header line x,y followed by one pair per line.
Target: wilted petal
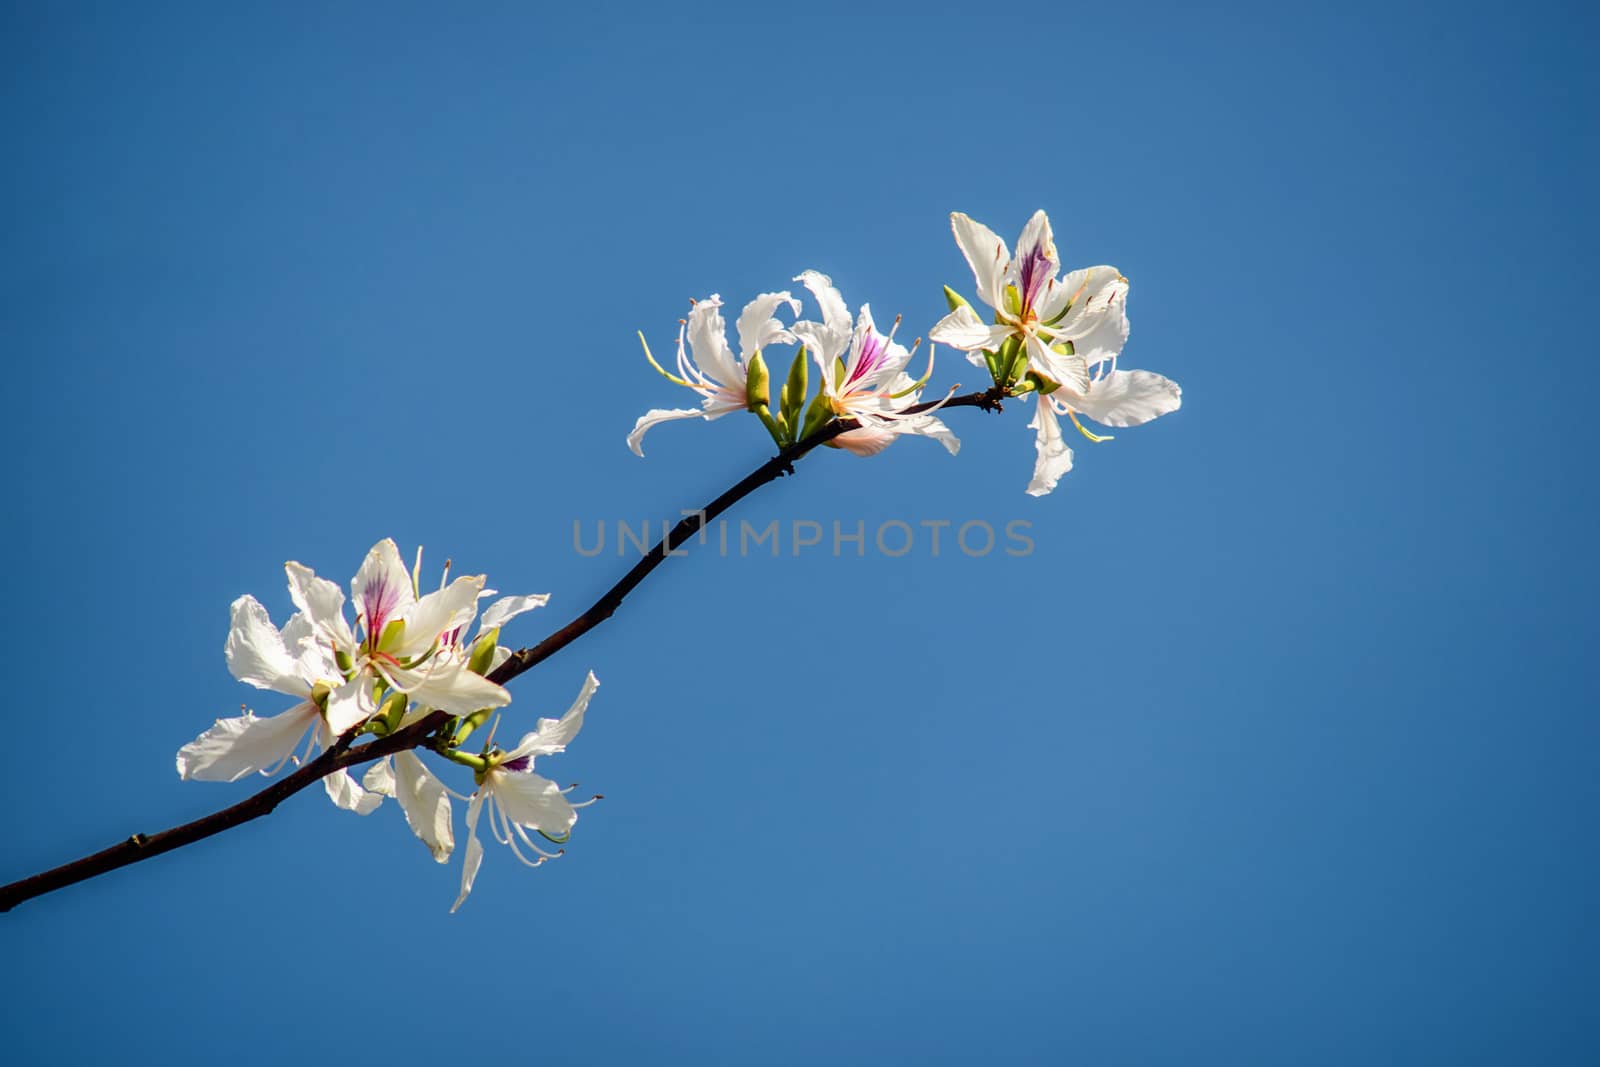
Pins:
x,y
1129,397
1053,457
245,744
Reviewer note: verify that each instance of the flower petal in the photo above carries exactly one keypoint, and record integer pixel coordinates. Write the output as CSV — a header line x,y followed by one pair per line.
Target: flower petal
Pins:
x,y
444,609
1036,263
350,705
382,588
835,315
255,651
708,342
1053,457
448,686
345,793
1071,371
321,601
987,255
963,329
532,801
426,804
474,857
245,744
652,418
507,608
553,735
758,329
1130,397
866,441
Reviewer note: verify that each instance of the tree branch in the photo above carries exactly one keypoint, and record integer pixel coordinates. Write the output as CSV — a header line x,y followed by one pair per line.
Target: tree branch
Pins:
x,y
342,754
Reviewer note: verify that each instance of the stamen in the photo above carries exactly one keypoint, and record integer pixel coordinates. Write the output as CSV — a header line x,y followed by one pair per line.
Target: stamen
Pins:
x,y
674,379
1096,438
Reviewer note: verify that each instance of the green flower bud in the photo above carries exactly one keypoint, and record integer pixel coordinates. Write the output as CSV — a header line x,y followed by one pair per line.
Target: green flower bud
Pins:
x,y
954,299
757,387
793,395
483,652
1011,359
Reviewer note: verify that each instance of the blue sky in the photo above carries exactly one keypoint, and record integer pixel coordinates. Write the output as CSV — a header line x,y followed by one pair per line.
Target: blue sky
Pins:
x,y
1279,747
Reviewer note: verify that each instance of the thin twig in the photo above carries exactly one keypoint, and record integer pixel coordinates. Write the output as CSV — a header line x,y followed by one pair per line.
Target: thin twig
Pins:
x,y
343,753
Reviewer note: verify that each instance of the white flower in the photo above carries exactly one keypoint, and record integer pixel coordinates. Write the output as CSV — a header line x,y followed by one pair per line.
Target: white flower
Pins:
x,y
712,371
401,643
863,374
1066,324
1113,398
290,662
519,800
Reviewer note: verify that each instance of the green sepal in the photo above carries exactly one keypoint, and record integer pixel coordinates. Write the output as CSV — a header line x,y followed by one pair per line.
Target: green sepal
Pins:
x,y
955,299
346,664
757,383
483,652
993,365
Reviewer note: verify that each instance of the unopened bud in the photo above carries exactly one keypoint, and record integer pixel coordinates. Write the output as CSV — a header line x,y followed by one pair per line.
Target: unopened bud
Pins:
x,y
954,299
793,394
757,383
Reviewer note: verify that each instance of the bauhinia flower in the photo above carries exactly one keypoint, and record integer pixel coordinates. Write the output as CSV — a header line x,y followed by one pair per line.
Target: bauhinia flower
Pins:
x,y
402,644
519,800
292,662
709,367
1113,398
423,799
1065,325
863,375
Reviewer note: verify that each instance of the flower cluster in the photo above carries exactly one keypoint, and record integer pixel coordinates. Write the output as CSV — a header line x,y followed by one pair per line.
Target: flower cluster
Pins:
x,y
1055,336
403,661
